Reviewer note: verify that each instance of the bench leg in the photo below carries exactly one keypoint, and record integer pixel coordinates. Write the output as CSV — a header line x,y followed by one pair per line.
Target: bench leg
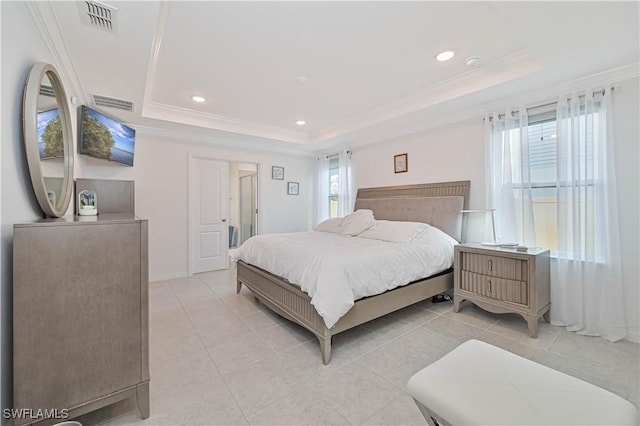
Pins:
x,y
238,287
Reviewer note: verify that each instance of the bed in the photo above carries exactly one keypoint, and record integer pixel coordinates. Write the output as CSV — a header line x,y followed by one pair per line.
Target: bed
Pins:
x,y
437,204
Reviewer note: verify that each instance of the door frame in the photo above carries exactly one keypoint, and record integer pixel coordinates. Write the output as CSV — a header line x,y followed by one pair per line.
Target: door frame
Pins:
x,y
191,196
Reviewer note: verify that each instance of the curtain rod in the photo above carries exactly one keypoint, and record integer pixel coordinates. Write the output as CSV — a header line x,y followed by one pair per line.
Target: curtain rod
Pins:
x,y
332,156
514,112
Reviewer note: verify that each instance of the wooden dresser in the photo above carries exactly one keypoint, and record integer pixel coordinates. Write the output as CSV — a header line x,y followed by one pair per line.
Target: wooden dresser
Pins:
x,y
80,314
503,280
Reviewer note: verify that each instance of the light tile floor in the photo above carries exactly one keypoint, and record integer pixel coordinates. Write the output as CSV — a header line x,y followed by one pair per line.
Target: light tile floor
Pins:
x,y
217,357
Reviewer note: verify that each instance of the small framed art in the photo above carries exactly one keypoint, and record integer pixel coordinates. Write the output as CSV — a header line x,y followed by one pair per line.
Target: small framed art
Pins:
x,y
400,163
293,188
277,172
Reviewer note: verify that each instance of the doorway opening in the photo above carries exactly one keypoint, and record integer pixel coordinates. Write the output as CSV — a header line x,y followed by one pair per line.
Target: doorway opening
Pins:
x,y
243,202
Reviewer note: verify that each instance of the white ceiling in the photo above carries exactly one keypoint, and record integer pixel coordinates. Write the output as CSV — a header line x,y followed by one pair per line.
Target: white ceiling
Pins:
x,y
370,67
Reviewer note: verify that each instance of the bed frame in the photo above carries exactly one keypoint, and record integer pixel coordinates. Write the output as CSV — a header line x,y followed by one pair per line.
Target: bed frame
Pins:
x,y
438,204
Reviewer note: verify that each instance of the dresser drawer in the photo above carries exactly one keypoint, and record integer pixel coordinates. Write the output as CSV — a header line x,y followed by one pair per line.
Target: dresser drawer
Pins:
x,y
495,266
496,288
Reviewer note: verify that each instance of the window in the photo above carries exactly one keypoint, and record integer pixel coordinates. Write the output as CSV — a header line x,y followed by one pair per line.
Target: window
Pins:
x,y
543,163
542,159
334,186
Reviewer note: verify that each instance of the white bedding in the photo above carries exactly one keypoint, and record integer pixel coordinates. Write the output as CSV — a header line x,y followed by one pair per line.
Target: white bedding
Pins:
x,y
336,270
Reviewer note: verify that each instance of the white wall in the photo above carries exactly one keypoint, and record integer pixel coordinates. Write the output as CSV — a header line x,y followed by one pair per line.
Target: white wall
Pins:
x,y
626,108
161,175
21,47
456,152
448,153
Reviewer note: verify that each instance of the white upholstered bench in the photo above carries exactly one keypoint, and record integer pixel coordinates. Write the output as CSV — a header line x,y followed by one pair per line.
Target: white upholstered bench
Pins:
x,y
480,384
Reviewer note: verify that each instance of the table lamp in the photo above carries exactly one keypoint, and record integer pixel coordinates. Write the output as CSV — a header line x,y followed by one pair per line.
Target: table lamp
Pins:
x,y
495,242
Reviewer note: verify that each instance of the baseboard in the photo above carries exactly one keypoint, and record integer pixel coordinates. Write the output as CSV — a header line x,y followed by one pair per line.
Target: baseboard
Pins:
x,y
167,277
633,335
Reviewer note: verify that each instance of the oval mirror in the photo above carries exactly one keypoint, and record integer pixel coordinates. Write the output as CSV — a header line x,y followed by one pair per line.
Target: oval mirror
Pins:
x,y
46,125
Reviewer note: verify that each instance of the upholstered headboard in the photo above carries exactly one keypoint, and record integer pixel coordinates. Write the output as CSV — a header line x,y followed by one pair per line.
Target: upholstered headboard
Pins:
x,y
437,204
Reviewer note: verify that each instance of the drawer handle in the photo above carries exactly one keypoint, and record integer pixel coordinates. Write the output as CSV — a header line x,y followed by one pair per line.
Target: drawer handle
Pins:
x,y
489,285
490,265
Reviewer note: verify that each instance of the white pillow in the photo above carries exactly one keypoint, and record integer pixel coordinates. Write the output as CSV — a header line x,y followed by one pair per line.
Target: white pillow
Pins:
x,y
331,225
395,232
358,221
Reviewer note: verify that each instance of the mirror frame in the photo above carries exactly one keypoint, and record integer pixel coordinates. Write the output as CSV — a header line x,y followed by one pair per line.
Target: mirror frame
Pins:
x,y
30,132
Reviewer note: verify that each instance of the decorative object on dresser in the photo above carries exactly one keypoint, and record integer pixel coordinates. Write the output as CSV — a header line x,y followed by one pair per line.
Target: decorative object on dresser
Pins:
x,y
116,196
293,188
47,130
400,163
438,204
503,280
87,203
277,172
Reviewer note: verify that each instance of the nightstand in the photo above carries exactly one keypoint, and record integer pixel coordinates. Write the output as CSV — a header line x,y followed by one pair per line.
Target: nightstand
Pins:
x,y
501,280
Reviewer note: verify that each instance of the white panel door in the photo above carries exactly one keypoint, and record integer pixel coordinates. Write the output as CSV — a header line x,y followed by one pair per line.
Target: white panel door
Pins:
x,y
208,211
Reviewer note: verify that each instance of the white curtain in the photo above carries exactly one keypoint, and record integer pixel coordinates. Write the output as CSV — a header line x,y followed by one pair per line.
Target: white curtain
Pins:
x,y
587,290
344,190
509,176
322,188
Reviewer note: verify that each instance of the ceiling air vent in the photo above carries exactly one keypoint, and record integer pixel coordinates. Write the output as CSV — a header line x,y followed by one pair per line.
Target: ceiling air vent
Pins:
x,y
47,91
106,101
99,15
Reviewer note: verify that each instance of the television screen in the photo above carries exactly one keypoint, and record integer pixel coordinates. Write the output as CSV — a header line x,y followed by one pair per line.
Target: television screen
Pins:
x,y
103,137
50,134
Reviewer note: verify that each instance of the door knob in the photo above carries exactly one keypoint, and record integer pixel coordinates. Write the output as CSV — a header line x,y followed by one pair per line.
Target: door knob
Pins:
x,y
224,220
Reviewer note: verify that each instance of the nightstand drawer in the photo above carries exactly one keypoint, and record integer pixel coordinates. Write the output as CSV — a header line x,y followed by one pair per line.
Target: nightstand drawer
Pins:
x,y
496,288
495,266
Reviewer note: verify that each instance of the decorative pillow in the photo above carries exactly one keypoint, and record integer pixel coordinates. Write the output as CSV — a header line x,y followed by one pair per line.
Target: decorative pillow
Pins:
x,y
358,221
395,232
331,225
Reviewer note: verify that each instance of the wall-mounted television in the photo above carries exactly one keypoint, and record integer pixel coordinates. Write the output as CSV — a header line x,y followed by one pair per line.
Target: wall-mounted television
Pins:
x,y
101,136
50,134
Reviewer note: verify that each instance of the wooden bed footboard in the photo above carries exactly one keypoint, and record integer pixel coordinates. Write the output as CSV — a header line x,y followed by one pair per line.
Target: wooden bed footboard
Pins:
x,y
292,303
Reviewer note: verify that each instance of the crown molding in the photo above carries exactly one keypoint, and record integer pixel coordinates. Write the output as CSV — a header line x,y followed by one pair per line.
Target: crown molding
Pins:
x,y
550,93
513,66
46,21
429,119
187,116
235,142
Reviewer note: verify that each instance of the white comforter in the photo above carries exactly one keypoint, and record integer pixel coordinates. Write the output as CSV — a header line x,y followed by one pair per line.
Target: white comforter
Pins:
x,y
336,270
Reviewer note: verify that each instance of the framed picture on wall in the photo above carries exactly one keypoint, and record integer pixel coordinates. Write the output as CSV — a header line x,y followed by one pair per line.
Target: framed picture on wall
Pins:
x,y
400,163
293,188
277,173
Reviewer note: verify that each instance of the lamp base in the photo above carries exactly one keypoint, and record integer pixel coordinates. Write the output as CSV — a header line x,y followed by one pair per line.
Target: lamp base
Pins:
x,y
494,244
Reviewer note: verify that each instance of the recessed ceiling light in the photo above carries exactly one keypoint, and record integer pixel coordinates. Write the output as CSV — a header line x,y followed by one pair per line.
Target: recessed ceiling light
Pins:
x,y
445,56
198,99
301,122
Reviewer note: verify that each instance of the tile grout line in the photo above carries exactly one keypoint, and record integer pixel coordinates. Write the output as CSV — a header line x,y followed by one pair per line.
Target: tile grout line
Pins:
x,y
209,354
